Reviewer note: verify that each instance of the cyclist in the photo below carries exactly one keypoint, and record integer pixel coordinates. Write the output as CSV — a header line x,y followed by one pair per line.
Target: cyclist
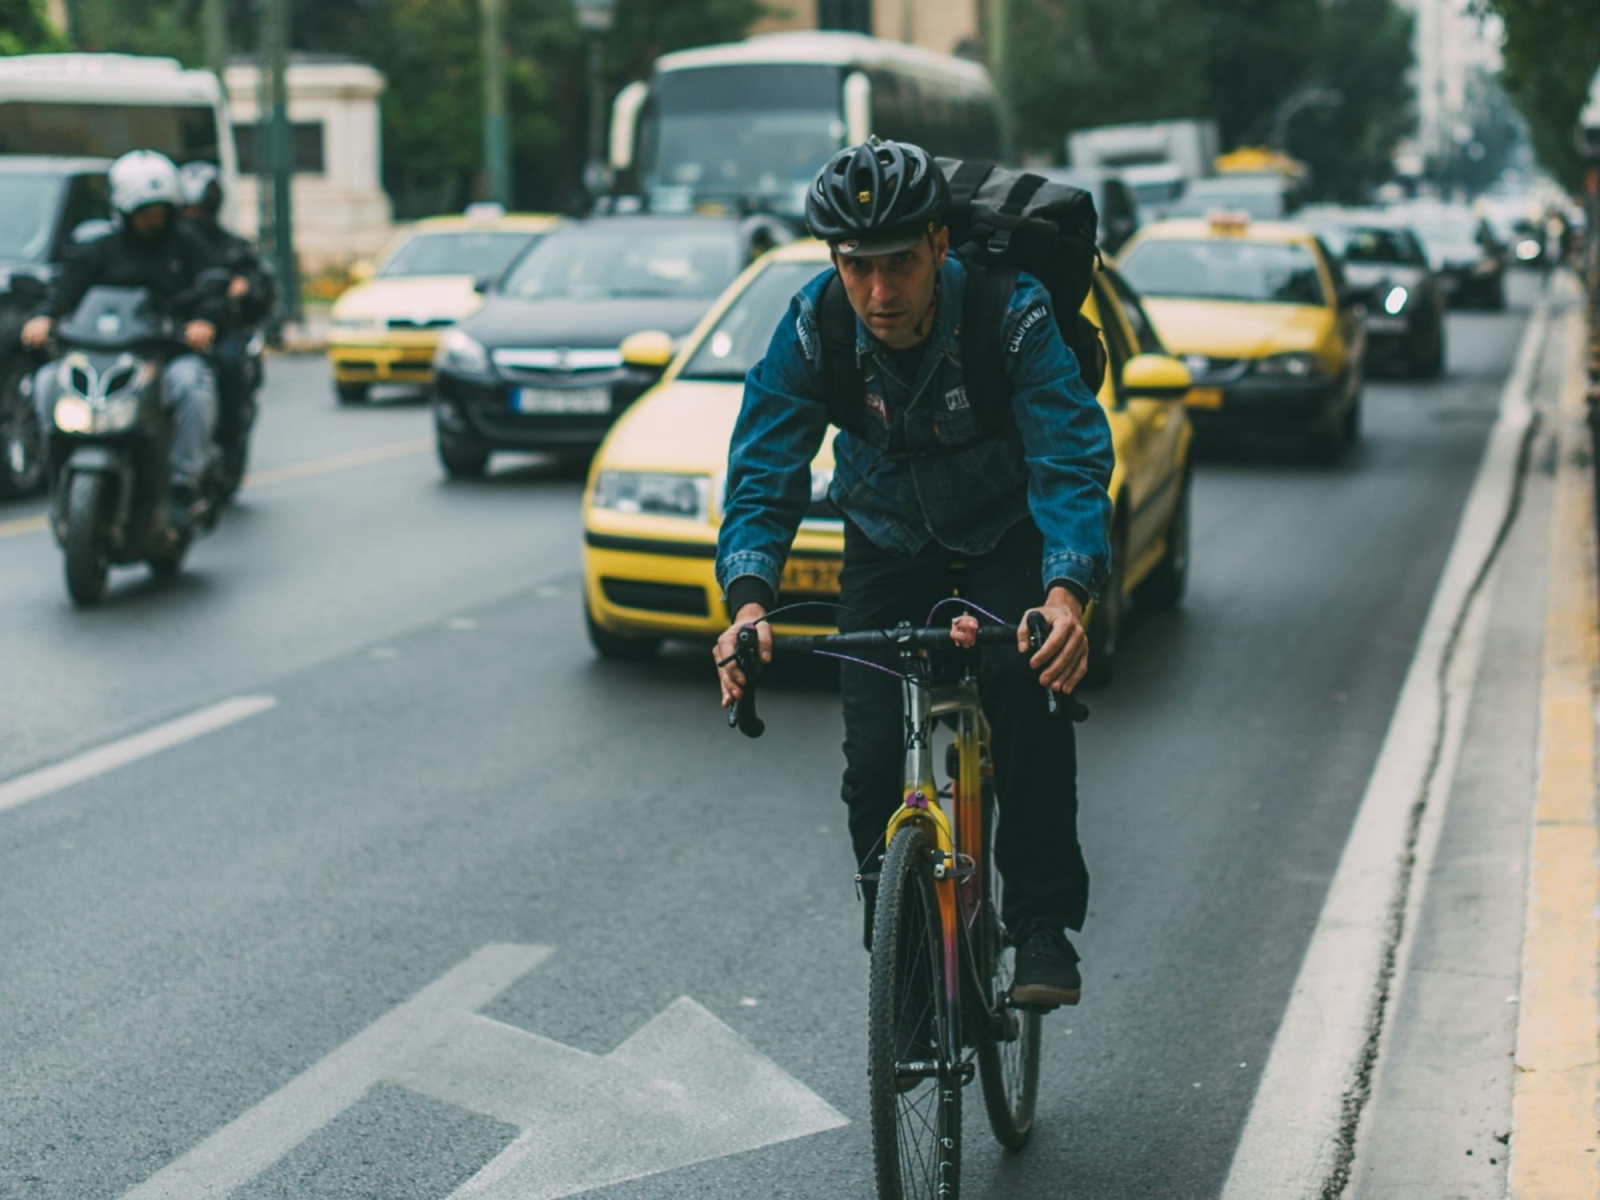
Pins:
x,y
251,288
1018,519
150,248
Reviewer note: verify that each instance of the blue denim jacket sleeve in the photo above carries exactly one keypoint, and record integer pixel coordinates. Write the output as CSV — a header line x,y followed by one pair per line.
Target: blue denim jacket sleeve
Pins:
x,y
779,431
1066,439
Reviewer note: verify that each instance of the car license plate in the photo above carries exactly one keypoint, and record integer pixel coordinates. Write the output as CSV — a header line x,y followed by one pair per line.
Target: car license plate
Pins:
x,y
561,400
1386,324
811,575
1204,397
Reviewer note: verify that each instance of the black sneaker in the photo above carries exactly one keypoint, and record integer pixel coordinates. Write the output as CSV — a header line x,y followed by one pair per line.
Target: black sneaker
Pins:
x,y
1047,968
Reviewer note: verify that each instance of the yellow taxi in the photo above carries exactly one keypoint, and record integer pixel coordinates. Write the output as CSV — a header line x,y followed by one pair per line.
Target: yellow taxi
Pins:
x,y
385,328
1260,313
654,497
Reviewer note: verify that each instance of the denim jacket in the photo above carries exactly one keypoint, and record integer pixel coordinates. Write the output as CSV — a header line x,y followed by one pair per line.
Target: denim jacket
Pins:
x,y
923,468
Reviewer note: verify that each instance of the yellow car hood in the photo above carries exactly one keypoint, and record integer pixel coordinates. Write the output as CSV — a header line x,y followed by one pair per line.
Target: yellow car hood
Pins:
x,y
419,297
1231,329
681,426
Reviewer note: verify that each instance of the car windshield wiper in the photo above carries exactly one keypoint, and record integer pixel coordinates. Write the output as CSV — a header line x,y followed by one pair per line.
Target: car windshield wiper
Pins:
x,y
714,376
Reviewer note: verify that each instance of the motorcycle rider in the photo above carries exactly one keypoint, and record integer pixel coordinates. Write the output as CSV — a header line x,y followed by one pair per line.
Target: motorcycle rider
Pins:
x,y
149,248
251,290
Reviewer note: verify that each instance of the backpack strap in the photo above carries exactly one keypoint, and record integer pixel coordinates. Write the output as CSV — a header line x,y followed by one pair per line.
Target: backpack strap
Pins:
x,y
966,181
983,363
845,387
1025,188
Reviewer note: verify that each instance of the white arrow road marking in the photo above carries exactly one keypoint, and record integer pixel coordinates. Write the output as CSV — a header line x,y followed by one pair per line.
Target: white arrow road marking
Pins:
x,y
42,782
683,1089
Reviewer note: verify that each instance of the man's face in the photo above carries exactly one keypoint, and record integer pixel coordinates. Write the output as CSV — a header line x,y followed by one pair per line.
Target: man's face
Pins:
x,y
893,293
150,220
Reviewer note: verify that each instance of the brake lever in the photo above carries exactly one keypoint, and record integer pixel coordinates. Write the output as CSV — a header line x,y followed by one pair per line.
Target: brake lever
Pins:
x,y
1038,633
742,712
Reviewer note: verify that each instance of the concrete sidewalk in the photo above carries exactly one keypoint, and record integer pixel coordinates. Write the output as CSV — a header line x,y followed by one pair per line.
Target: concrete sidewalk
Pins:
x,y
1488,1067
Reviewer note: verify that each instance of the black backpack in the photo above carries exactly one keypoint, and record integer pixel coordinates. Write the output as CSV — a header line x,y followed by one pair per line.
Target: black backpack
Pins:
x,y
1001,222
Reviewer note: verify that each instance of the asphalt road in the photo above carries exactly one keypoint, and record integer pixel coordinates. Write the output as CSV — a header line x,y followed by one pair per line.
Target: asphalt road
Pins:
x,y
447,768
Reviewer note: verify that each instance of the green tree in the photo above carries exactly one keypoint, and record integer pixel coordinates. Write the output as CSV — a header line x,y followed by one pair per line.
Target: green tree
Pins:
x,y
1552,49
24,28
1081,63
1364,51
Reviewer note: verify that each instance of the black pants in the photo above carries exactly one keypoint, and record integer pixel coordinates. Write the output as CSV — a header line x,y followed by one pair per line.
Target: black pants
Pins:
x,y
1035,756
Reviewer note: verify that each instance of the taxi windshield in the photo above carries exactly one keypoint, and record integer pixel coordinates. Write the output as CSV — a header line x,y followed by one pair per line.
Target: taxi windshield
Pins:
x,y
1225,269
597,262
474,252
740,336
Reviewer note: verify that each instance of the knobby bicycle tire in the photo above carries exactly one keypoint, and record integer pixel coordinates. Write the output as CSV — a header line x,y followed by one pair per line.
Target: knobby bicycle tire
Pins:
x,y
1008,1057
916,1133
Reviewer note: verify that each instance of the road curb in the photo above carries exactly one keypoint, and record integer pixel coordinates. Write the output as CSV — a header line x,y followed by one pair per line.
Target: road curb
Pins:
x,y
1555,1144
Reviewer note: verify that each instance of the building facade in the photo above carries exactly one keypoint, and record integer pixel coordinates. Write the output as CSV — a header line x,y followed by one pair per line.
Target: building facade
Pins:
x,y
947,26
341,212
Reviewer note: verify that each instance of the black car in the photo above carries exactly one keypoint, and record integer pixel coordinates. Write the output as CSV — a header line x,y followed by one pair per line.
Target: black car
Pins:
x,y
1385,263
42,200
1467,258
542,365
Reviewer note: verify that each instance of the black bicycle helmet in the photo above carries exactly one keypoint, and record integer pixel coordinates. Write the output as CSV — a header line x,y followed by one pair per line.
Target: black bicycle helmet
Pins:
x,y
877,198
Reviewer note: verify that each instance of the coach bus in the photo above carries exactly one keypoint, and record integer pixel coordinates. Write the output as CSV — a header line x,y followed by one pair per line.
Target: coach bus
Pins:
x,y
103,105
752,121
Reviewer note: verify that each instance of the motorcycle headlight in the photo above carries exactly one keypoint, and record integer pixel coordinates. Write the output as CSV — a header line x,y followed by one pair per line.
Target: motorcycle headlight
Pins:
x,y
653,493
461,352
1395,300
73,415
1290,366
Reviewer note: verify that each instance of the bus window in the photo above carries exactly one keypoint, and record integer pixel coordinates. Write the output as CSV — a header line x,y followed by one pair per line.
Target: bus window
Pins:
x,y
183,132
743,130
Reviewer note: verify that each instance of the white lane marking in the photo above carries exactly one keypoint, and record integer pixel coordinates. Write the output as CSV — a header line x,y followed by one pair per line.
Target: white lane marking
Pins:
x,y
682,1089
120,753
1291,1142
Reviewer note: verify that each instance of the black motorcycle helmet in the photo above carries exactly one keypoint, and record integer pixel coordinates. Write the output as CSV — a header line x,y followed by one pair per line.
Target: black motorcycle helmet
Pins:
x,y
877,198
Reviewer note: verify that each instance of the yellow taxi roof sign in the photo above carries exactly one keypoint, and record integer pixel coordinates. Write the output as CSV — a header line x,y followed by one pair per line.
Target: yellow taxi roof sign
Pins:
x,y
1226,221
1260,160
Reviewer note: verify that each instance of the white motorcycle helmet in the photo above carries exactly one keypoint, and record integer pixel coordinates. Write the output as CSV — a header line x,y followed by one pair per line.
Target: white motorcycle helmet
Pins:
x,y
201,185
141,178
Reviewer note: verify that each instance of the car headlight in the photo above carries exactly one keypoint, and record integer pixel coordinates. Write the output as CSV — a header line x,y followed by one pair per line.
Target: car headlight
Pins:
x,y
1298,365
461,352
653,493
74,415
1395,300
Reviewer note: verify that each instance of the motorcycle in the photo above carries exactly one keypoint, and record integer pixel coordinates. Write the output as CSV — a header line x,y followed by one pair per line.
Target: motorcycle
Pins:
x,y
109,448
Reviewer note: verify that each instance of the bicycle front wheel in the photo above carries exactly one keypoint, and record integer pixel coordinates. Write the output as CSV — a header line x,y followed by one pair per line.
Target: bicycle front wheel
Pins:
x,y
1008,1044
914,1082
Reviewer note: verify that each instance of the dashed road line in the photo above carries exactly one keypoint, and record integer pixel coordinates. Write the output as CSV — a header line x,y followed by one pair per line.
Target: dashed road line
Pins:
x,y
93,763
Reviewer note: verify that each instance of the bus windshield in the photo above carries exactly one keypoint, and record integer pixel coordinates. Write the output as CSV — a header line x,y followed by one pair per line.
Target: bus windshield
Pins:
x,y
740,130
183,132
29,203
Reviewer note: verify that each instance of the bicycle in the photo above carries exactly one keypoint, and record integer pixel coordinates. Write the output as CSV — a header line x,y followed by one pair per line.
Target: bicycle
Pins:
x,y
939,1007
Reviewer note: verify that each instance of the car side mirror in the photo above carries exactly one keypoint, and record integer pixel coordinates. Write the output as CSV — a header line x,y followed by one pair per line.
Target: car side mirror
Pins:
x,y
648,350
1350,299
1156,377
91,231
362,270
484,284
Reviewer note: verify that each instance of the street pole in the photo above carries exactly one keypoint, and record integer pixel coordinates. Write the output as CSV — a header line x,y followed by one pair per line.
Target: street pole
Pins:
x,y
594,18
277,22
216,27
999,39
496,148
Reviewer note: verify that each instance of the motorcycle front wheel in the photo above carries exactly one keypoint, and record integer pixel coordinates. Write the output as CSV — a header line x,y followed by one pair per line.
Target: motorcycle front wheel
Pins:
x,y
87,563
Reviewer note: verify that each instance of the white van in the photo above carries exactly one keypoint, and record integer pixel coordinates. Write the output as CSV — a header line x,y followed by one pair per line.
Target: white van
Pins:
x,y
103,105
